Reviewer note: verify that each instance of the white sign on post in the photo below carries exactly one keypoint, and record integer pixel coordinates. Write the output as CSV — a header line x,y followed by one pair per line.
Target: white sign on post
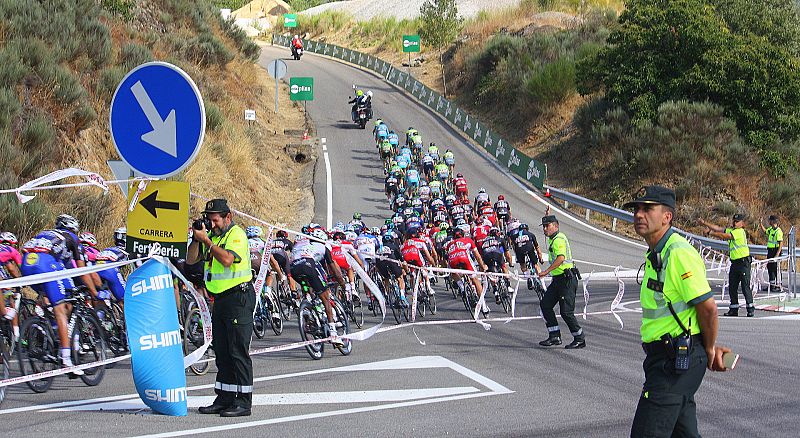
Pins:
x,y
250,115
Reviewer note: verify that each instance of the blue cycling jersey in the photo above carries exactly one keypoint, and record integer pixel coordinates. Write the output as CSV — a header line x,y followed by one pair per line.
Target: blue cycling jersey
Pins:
x,y
394,140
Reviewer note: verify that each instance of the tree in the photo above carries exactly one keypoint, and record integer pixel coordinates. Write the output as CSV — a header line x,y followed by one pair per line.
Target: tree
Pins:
x,y
685,49
440,26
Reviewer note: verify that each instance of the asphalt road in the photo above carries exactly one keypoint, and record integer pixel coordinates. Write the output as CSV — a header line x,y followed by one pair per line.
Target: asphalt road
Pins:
x,y
464,380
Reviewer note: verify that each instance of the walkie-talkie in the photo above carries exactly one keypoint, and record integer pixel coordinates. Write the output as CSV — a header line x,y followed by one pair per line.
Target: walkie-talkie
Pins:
x,y
683,348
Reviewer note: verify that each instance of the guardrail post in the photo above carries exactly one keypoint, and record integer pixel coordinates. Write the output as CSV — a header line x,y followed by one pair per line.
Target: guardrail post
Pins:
x,y
566,204
614,224
588,213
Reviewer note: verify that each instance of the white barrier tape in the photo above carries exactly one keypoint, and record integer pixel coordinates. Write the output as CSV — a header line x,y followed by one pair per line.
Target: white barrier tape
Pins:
x,y
37,184
64,273
139,189
264,267
60,371
205,314
617,300
476,312
599,264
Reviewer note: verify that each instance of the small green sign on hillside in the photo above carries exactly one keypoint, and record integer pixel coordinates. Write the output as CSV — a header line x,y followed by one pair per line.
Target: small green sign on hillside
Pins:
x,y
411,43
301,88
289,20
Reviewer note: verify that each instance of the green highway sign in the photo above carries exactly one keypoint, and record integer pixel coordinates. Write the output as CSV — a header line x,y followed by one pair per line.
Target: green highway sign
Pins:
x,y
411,43
301,88
289,20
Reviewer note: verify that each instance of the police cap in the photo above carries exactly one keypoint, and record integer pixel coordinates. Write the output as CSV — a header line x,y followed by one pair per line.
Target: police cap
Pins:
x,y
549,220
653,195
217,206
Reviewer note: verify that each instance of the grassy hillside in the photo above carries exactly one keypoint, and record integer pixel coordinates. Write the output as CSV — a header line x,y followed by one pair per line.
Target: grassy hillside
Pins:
x,y
60,63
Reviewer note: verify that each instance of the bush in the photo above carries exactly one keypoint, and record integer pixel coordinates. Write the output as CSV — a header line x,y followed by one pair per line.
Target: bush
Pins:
x,y
82,117
552,83
207,49
784,195
97,41
725,208
12,67
133,54
214,117
38,131
9,109
244,44
121,8
66,87
110,78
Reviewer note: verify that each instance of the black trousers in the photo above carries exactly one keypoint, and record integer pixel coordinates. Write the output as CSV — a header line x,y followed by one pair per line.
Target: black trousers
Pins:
x,y
562,291
232,328
740,274
772,268
666,406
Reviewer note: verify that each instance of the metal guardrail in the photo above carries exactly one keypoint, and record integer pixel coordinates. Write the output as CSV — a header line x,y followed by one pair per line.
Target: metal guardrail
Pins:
x,y
627,216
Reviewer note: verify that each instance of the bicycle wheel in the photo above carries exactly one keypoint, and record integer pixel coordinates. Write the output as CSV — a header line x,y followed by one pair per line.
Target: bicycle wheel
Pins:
x,y
91,347
259,320
113,324
275,317
5,368
505,295
342,328
394,302
311,328
193,339
432,303
37,352
466,295
285,298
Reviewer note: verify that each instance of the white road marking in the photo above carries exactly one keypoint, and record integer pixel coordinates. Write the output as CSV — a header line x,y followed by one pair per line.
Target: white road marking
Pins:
x,y
303,398
413,362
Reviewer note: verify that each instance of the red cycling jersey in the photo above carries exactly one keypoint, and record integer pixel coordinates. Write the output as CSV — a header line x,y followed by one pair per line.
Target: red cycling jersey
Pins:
x,y
337,252
461,186
459,253
480,233
9,253
412,252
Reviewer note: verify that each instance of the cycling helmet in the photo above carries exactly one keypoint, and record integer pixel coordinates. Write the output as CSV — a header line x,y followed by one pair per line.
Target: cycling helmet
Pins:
x,y
282,234
350,235
339,224
87,238
443,226
120,235
388,238
8,238
357,216
338,235
375,230
523,226
319,234
296,36
306,229
481,190
423,183
500,197
391,131
410,128
67,222
378,122
384,228
458,232
432,144
459,175
254,231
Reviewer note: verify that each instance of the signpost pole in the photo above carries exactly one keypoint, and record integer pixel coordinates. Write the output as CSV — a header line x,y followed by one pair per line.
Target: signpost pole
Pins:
x,y
276,94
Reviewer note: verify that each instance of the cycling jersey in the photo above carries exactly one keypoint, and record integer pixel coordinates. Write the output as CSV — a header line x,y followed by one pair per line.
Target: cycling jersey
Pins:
x,y
413,223
9,254
307,249
481,231
434,151
439,216
425,193
459,253
460,185
393,139
501,207
113,277
412,176
412,252
481,197
449,158
367,244
387,268
338,249
50,251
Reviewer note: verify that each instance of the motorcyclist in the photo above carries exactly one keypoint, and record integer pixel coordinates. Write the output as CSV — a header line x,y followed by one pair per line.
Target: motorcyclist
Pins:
x,y
361,99
296,44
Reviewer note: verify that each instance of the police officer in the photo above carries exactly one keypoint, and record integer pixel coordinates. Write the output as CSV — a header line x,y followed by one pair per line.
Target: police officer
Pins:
x,y
562,289
739,254
679,321
774,242
227,277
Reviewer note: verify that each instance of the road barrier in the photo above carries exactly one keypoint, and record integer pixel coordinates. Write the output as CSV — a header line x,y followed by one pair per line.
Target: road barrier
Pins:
x,y
517,162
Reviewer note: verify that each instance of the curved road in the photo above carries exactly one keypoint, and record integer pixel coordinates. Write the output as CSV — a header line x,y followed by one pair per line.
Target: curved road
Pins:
x,y
356,169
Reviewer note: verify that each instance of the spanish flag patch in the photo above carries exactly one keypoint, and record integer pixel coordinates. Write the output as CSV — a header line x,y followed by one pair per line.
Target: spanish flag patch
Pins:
x,y
686,275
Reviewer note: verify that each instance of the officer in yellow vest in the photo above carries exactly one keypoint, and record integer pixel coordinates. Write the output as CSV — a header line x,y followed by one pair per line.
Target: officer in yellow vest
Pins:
x,y
679,321
739,254
774,242
562,289
226,257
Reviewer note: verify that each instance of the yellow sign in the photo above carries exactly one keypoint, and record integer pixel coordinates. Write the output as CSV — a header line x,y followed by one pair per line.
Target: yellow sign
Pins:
x,y
161,214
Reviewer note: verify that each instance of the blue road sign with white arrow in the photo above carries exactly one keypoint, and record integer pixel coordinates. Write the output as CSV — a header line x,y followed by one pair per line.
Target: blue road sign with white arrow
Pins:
x,y
157,119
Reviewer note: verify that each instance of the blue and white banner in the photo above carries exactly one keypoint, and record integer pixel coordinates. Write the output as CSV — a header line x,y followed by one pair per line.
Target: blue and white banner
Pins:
x,y
155,339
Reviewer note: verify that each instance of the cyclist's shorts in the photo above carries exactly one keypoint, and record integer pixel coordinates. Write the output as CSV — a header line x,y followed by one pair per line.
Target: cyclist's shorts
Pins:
x,y
280,259
115,281
39,263
342,262
493,259
414,183
415,261
309,271
449,161
461,263
443,175
526,251
386,268
428,167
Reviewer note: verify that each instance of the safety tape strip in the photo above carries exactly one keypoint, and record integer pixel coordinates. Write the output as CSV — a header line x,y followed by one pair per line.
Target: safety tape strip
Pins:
x,y
64,273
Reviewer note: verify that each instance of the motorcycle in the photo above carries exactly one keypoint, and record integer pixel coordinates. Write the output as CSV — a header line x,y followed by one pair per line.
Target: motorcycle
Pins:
x,y
297,52
362,115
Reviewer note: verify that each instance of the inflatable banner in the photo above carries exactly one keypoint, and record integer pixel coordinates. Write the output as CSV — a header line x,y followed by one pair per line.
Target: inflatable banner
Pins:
x,y
154,337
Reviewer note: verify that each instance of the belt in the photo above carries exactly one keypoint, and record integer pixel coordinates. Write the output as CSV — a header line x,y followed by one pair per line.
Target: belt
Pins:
x,y
665,347
238,288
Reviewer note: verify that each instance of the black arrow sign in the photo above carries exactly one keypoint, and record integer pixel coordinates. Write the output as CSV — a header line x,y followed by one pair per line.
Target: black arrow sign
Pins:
x,y
150,203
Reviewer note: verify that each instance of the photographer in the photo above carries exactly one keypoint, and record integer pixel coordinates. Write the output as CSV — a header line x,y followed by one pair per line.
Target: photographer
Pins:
x,y
225,254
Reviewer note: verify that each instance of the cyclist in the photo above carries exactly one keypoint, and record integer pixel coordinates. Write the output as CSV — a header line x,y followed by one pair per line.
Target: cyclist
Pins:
x,y
387,150
113,277
424,191
367,244
412,181
495,255
307,263
449,160
460,184
433,150
482,196
55,250
415,253
481,231
410,133
389,265
416,145
486,211
88,243
463,254
281,248
440,239
503,210
357,223
428,165
436,188
10,259
390,187
393,140
443,173
257,246
381,131
526,246
339,247
418,206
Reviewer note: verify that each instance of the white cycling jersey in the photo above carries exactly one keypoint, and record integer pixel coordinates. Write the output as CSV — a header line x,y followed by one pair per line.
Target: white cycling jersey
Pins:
x,y
305,248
